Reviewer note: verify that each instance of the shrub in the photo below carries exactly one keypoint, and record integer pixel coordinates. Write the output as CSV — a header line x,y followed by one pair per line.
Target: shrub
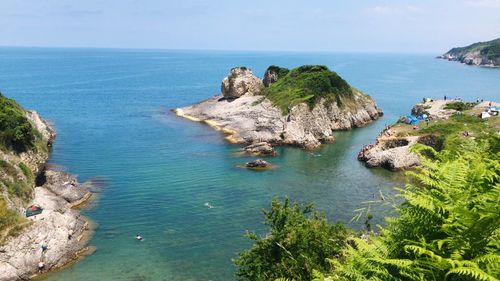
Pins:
x,y
460,106
26,171
300,240
16,132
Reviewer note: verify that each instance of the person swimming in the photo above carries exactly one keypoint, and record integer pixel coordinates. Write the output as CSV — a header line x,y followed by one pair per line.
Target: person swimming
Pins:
x,y
138,237
208,205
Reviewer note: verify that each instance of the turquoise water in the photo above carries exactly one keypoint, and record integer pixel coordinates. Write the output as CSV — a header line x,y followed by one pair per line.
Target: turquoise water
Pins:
x,y
111,112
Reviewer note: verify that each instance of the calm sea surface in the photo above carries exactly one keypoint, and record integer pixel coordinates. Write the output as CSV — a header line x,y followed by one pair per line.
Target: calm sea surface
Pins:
x,y
111,110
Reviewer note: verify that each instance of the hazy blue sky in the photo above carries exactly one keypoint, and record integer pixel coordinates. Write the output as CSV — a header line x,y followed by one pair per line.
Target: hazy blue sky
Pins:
x,y
305,25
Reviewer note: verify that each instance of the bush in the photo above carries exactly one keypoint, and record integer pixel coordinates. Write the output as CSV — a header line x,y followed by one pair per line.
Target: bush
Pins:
x,y
460,106
300,241
16,132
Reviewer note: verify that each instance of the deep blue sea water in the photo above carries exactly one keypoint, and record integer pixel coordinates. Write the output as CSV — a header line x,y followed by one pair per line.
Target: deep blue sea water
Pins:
x,y
111,112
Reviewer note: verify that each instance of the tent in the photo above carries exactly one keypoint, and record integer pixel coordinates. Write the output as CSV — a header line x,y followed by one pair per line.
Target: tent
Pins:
x,y
410,119
485,115
33,210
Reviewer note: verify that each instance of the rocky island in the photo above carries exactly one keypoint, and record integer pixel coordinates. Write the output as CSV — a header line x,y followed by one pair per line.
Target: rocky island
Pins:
x,y
39,228
300,107
439,124
481,54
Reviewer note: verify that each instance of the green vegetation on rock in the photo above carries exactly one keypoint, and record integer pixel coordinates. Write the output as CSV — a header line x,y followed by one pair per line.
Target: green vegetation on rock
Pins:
x,y
446,228
460,105
486,52
16,132
490,49
308,84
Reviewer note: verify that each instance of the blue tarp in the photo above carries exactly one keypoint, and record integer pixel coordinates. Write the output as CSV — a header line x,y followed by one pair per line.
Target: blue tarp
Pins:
x,y
410,119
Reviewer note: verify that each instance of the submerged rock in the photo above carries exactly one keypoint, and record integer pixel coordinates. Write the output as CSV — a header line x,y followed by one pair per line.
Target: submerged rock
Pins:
x,y
260,148
240,81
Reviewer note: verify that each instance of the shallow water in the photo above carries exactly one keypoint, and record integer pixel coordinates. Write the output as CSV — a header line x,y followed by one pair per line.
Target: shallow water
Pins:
x,y
111,112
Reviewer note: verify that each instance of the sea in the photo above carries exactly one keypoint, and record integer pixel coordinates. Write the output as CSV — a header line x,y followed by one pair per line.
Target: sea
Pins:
x,y
111,109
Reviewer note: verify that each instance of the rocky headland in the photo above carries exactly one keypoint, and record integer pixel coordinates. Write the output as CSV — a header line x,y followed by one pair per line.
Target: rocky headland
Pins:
x,y
435,123
481,54
57,235
300,107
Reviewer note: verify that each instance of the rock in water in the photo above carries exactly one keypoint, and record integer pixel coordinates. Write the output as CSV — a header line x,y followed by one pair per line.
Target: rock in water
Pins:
x,y
302,108
258,163
260,148
240,81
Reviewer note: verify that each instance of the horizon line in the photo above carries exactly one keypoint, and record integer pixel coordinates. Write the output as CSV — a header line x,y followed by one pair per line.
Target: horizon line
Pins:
x,y
218,50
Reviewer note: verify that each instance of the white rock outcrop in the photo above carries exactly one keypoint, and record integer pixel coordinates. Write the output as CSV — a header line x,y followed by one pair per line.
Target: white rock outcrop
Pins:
x,y
240,81
20,255
253,118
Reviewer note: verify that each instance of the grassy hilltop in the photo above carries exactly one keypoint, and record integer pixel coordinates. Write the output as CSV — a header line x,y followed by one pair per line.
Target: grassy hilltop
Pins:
x,y
308,84
490,49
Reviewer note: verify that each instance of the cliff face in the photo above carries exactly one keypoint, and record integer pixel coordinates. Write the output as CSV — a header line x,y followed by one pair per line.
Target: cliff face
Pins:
x,y
255,117
481,54
19,169
24,180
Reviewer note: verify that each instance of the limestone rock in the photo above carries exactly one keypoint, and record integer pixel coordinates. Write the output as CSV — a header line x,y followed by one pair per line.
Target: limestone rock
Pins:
x,y
20,255
392,153
248,118
251,119
260,148
240,81
258,164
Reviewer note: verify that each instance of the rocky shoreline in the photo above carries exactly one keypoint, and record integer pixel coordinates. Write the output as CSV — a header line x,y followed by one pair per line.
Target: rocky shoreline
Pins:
x,y
247,117
393,146
58,235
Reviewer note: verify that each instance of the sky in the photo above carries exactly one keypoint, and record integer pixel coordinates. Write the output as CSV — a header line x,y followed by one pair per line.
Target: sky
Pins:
x,y
279,25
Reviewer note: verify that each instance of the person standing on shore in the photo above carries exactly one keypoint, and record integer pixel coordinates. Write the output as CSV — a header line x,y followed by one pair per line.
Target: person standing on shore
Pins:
x,y
41,266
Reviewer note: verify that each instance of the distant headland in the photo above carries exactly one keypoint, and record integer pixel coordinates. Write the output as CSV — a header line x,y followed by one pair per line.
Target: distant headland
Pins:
x,y
480,54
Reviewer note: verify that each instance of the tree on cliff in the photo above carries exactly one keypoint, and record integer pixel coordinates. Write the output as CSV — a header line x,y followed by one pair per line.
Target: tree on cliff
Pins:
x,y
300,241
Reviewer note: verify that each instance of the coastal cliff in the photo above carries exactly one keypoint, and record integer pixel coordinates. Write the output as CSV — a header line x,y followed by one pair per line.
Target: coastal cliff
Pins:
x,y
480,54
300,107
25,180
439,124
